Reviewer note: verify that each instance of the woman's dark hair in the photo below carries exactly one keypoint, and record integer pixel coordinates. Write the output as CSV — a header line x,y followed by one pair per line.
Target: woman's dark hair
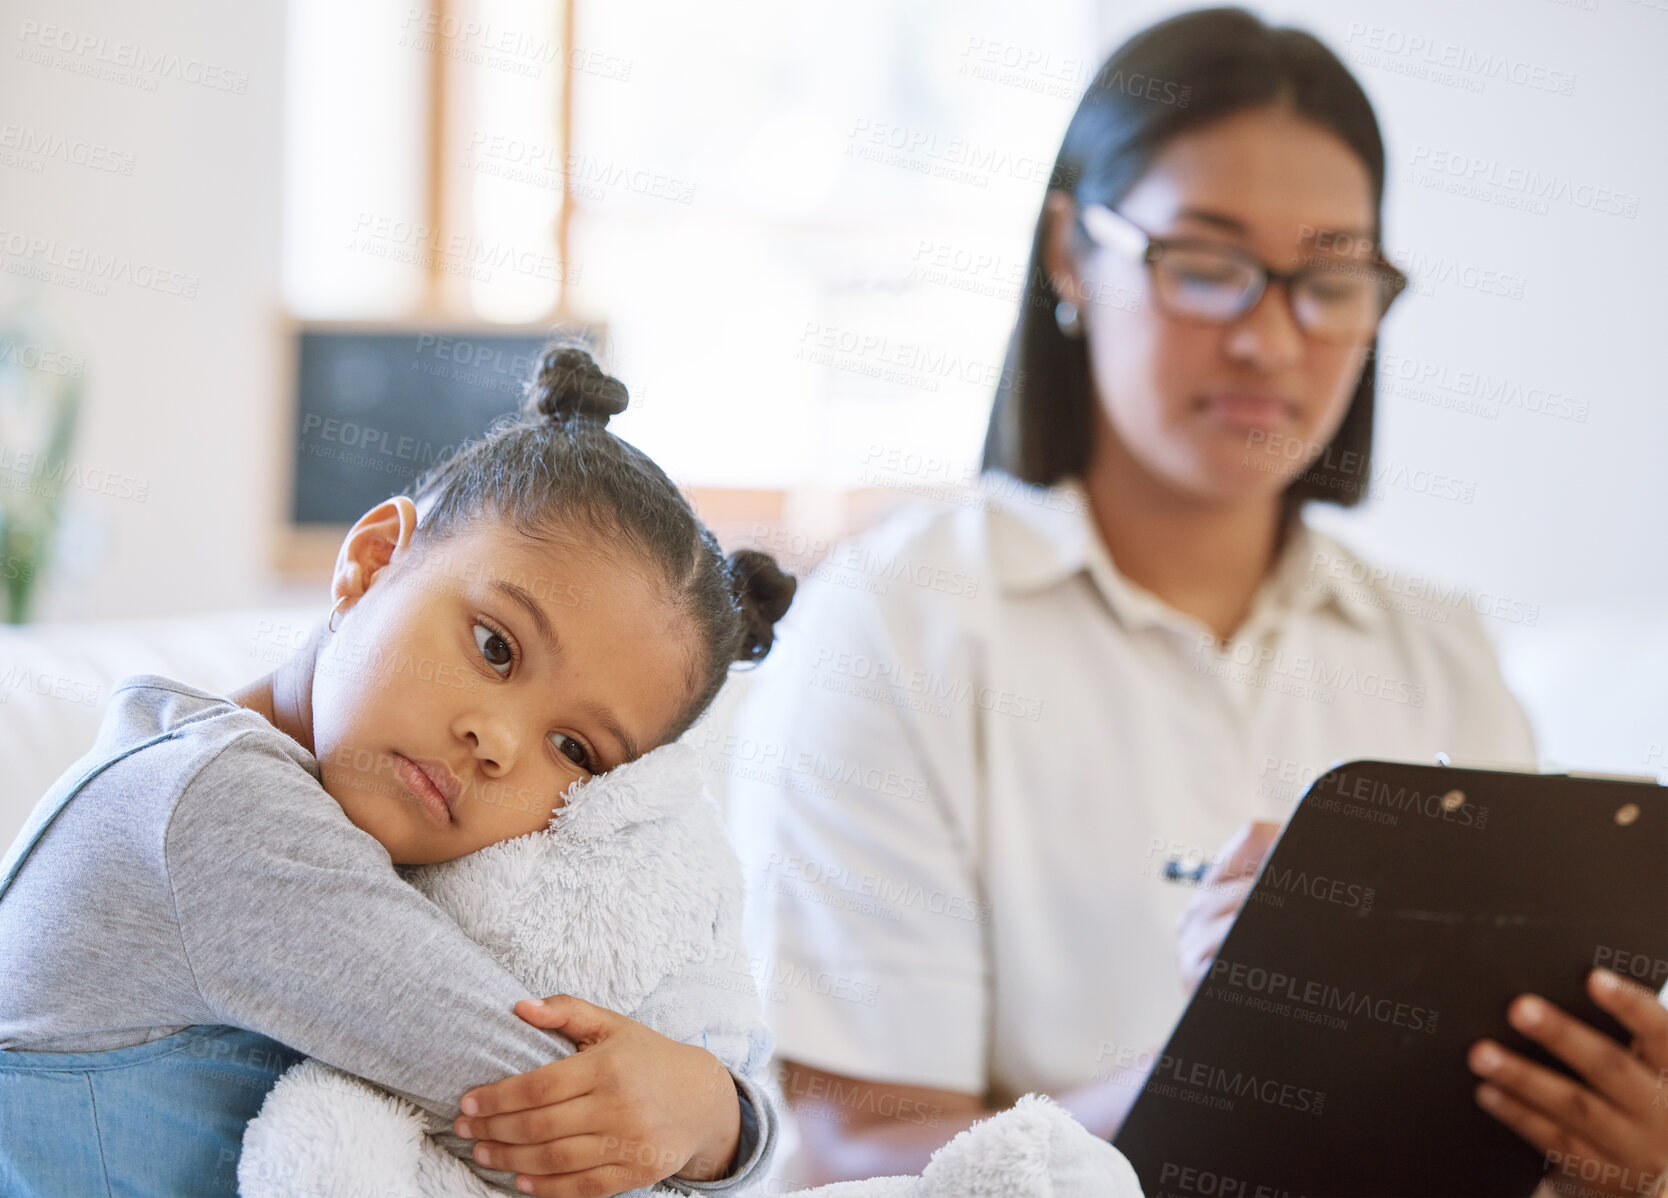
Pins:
x,y
556,473
1172,78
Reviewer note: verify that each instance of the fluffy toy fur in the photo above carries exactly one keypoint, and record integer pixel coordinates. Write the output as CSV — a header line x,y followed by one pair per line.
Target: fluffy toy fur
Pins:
x,y
630,899
1034,1149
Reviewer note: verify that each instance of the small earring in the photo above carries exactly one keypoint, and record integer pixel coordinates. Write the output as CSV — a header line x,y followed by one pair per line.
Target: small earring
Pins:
x,y
334,611
1066,316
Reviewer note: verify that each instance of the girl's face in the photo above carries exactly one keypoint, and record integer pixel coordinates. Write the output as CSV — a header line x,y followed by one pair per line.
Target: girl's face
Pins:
x,y
1237,411
476,679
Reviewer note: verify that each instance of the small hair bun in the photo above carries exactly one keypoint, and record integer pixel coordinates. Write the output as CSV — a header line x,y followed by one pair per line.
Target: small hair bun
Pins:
x,y
763,592
570,385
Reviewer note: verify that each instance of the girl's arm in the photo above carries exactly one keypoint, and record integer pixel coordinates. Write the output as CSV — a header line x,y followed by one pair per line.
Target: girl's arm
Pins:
x,y
295,925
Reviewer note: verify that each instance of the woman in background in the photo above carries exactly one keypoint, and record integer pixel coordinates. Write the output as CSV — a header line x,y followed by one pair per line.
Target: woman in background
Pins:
x,y
1132,644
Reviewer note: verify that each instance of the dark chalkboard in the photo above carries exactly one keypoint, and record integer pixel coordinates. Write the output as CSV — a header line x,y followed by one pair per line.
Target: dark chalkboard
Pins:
x,y
375,409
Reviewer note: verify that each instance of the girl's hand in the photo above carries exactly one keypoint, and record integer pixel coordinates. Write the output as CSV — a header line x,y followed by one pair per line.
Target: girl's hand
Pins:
x,y
630,1108
1611,1135
1205,923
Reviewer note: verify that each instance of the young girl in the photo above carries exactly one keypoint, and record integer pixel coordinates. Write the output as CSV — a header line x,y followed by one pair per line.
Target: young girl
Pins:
x,y
211,889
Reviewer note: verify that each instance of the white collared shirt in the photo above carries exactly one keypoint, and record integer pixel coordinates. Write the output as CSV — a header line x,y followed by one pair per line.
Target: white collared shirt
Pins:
x,y
958,780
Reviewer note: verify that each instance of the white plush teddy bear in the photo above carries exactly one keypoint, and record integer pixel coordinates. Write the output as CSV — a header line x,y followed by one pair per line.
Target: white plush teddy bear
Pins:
x,y
1034,1149
638,858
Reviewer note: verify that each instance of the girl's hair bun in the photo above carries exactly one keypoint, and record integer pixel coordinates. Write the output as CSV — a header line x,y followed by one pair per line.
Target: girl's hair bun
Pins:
x,y
763,592
570,385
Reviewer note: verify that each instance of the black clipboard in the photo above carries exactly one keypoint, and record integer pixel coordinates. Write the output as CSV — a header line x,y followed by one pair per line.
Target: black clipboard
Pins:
x,y
1401,910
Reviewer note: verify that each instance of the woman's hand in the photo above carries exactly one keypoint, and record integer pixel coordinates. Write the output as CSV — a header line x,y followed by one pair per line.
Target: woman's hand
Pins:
x,y
1611,1135
1205,923
629,1108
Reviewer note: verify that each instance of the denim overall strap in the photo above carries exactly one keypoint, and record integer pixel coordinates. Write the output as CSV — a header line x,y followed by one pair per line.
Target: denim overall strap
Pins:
x,y
41,818
163,1119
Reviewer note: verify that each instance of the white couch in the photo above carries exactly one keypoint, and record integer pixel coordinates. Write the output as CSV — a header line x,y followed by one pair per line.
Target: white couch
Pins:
x,y
1596,686
55,682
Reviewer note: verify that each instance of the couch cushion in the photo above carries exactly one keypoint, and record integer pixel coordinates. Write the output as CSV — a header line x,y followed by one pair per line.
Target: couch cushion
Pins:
x,y
55,681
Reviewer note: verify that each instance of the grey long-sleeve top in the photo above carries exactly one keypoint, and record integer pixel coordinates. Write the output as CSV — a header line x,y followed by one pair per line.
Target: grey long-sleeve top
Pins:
x,y
210,878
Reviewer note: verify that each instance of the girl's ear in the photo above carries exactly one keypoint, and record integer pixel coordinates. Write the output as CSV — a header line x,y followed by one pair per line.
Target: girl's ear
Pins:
x,y
375,539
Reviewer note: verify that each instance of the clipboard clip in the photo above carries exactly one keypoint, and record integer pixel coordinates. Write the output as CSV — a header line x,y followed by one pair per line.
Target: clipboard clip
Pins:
x,y
1549,771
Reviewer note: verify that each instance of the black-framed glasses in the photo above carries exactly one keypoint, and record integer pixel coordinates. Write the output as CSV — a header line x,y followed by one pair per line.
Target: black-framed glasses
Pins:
x,y
1340,300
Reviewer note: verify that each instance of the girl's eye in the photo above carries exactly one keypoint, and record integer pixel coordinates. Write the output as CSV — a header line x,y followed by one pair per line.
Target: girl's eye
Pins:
x,y
500,655
494,648
574,750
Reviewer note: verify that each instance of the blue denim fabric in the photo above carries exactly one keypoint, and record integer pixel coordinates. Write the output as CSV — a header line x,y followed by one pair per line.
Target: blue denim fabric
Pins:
x,y
157,1120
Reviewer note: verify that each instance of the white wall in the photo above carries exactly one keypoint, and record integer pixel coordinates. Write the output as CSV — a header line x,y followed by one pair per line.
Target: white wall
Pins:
x,y
182,394
1564,509
1570,516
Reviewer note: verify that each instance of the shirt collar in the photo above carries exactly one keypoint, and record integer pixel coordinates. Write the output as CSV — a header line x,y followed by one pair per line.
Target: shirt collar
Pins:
x,y
1321,572
1043,536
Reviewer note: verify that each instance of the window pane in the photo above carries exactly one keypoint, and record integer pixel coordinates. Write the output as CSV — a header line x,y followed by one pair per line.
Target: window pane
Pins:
x,y
502,156
370,232
355,158
806,226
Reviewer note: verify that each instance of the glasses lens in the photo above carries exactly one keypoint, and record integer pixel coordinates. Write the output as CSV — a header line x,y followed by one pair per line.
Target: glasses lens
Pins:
x,y
1205,284
1340,303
